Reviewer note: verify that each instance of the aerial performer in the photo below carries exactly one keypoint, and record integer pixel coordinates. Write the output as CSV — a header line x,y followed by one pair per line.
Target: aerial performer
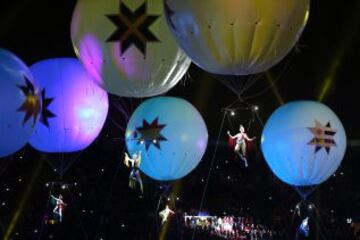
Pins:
x,y
240,146
304,228
164,214
134,164
59,206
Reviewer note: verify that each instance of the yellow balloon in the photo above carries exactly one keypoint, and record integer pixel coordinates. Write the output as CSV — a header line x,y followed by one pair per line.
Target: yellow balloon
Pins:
x,y
237,37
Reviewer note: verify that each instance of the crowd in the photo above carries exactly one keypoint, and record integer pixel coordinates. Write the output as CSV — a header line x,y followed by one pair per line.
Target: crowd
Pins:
x,y
230,227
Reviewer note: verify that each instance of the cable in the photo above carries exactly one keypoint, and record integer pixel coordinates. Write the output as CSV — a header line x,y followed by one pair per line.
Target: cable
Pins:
x,y
210,170
46,209
102,218
77,214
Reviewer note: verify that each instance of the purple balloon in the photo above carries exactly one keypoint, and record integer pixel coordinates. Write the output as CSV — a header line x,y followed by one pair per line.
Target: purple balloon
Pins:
x,y
74,107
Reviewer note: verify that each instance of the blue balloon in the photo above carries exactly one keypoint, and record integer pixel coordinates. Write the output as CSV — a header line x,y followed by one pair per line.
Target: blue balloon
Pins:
x,y
171,135
20,105
74,107
304,143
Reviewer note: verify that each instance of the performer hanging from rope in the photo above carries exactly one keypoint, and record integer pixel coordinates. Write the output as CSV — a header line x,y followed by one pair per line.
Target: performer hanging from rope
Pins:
x,y
164,214
134,164
240,146
304,228
59,206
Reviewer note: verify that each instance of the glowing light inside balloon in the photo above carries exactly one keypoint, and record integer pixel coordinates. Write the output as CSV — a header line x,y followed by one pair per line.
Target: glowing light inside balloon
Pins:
x,y
78,105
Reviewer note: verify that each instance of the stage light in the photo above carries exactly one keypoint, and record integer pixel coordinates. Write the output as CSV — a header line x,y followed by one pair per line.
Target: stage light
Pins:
x,y
256,108
232,113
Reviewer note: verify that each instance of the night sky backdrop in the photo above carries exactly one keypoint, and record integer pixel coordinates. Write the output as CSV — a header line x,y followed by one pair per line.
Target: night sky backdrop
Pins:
x,y
100,204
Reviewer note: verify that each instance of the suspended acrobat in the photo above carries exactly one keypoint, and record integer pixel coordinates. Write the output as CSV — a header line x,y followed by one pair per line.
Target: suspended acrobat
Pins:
x,y
59,206
240,146
134,164
164,214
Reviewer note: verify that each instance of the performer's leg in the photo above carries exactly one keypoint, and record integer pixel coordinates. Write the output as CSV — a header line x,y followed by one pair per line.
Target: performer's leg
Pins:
x,y
55,209
139,180
243,153
60,214
237,150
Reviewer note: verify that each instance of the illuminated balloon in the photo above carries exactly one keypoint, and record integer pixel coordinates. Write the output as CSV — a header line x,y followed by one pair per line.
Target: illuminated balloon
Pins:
x,y
304,143
236,37
127,47
171,135
20,106
74,107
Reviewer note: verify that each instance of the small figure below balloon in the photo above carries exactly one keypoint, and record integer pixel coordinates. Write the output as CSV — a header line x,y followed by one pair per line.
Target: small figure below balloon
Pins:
x,y
59,206
304,227
164,214
240,146
134,164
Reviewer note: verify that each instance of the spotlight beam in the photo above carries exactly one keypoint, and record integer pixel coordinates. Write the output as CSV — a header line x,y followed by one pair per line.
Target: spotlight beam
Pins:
x,y
340,55
23,201
274,89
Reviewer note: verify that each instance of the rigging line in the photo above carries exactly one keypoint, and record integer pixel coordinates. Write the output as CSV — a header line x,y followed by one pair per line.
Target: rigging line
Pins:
x,y
123,104
73,160
288,229
120,109
46,209
210,170
117,124
278,78
230,123
5,165
322,226
253,81
77,214
248,82
109,197
259,119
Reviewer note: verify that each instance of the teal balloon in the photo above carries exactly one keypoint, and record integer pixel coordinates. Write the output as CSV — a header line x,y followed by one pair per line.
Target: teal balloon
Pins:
x,y
20,103
171,135
304,143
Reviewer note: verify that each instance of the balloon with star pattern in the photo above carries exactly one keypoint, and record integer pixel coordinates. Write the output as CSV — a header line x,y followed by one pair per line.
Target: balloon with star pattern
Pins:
x,y
20,104
127,46
303,143
74,107
236,37
171,136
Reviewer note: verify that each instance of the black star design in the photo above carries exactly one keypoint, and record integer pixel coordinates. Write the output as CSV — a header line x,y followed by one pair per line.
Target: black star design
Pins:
x,y
323,136
169,13
46,113
32,105
150,134
132,28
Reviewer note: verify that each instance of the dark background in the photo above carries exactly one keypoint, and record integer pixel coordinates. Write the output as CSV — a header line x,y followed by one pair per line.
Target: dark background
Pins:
x,y
102,206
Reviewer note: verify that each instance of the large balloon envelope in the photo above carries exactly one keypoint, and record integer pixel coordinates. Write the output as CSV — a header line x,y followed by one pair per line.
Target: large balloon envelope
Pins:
x,y
127,46
171,135
20,105
236,37
74,107
304,143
